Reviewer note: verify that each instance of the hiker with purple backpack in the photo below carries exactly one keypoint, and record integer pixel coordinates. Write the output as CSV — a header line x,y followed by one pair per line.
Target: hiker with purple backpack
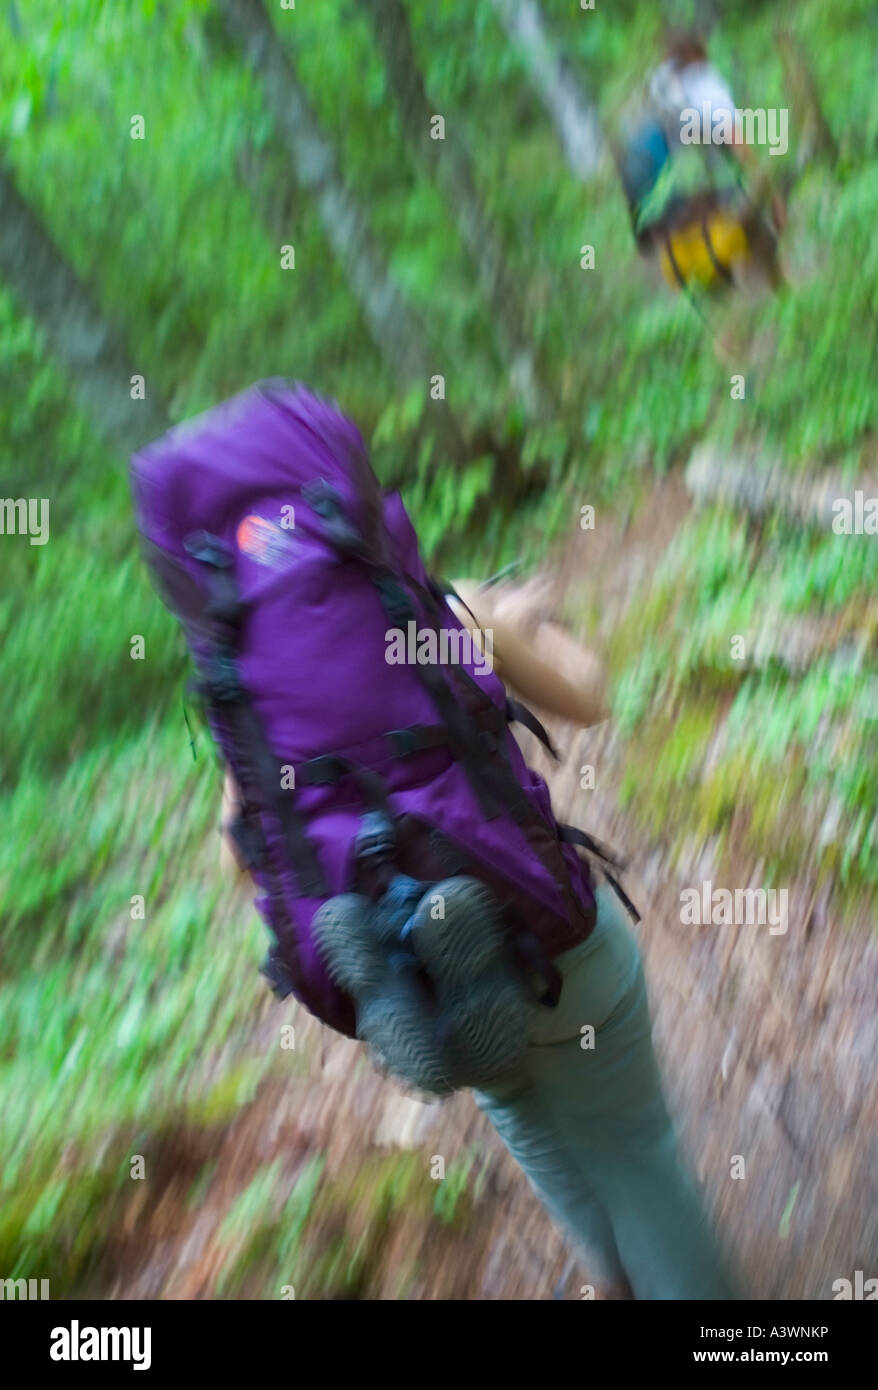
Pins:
x,y
419,893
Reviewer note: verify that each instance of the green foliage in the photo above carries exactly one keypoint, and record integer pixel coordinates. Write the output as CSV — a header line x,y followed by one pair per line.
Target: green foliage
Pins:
x,y
115,1030
792,750
323,1234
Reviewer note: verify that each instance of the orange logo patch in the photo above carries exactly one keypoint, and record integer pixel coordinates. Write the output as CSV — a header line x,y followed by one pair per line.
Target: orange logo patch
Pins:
x,y
264,541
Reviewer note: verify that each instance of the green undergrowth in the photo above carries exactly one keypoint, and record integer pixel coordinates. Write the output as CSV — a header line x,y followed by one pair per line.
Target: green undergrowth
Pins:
x,y
113,1022
774,751
326,1235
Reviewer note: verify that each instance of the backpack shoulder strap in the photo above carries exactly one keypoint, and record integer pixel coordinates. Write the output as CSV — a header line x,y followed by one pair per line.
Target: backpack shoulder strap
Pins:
x,y
258,770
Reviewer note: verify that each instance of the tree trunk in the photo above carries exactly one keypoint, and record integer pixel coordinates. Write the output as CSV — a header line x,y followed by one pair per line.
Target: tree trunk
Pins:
x,y
390,320
48,287
815,137
573,116
449,160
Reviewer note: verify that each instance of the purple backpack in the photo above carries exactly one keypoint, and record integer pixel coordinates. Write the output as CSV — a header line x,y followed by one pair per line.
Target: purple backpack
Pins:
x,y
305,604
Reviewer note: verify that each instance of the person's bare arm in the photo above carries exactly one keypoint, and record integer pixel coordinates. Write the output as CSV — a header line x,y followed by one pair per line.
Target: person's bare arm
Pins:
x,y
552,671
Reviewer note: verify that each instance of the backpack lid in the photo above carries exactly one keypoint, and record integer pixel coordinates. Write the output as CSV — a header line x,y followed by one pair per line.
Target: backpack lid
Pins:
x,y
278,437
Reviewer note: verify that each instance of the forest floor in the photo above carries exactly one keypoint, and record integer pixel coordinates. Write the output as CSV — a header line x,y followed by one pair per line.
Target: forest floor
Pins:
x,y
767,1042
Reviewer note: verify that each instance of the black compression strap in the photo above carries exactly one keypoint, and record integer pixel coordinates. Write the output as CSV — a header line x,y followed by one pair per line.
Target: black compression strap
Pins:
x,y
673,259
417,738
330,768
621,895
722,270
571,835
262,783
517,713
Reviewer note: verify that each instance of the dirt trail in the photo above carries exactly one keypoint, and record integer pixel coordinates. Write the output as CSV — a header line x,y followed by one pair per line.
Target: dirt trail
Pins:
x,y
767,1043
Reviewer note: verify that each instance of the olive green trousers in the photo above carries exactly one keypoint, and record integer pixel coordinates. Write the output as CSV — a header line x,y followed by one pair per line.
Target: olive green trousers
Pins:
x,y
587,1122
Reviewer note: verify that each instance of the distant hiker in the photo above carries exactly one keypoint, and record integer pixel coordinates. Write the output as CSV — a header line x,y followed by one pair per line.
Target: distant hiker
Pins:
x,y
699,199
419,892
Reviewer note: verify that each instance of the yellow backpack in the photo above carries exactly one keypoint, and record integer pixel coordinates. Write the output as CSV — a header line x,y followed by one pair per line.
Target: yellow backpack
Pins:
x,y
704,251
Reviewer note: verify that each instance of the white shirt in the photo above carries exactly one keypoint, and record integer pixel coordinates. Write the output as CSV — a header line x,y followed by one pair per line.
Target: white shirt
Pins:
x,y
674,90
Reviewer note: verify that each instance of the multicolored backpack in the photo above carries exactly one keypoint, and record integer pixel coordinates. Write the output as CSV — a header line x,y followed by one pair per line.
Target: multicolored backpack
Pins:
x,y
307,609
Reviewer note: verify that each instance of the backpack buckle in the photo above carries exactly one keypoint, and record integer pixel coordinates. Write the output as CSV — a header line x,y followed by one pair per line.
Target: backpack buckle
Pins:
x,y
340,531
209,549
404,742
394,598
278,975
223,683
249,840
323,770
